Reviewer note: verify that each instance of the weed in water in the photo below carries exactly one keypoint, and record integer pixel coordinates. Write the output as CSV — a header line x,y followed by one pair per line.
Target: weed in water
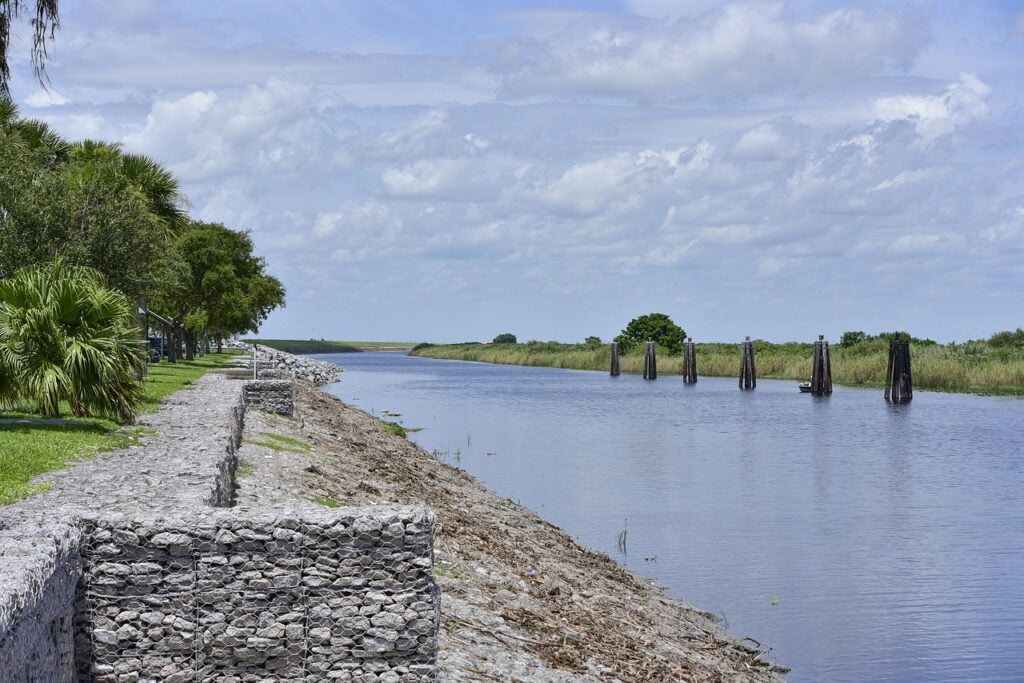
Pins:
x,y
622,536
396,429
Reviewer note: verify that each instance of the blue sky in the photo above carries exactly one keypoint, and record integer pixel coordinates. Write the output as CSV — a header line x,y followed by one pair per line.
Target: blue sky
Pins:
x,y
448,171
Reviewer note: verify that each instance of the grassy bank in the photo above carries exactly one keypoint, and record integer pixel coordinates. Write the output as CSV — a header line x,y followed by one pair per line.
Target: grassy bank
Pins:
x,y
27,449
972,367
326,346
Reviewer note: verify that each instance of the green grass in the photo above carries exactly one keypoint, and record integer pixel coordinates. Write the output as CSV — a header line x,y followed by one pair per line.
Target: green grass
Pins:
x,y
328,346
972,367
280,443
327,502
28,450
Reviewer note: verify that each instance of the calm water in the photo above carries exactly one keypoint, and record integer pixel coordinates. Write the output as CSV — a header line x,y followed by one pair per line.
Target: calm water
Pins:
x,y
892,536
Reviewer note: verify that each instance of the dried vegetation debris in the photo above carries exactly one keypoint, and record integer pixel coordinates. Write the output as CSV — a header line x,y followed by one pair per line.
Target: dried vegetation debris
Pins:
x,y
521,600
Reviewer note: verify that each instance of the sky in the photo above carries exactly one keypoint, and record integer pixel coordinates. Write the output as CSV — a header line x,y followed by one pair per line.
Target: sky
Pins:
x,y
448,171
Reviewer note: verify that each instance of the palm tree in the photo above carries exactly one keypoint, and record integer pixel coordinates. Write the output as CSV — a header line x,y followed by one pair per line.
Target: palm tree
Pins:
x,y
45,22
160,187
65,336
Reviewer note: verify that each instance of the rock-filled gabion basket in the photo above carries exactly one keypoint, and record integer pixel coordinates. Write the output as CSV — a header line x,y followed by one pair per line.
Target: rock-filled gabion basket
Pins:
x,y
345,594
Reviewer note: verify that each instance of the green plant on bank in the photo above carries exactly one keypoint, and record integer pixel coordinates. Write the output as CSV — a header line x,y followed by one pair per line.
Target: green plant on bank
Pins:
x,y
245,470
65,337
396,429
327,501
978,366
30,447
280,443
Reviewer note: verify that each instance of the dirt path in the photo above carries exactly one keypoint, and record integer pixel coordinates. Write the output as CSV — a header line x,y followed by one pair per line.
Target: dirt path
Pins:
x,y
521,600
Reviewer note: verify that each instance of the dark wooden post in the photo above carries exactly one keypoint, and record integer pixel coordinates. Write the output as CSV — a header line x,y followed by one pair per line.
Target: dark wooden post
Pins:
x,y
615,359
689,362
748,370
255,363
650,362
172,345
899,384
821,369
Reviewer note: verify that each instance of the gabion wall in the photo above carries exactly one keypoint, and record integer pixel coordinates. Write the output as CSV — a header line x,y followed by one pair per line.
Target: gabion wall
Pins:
x,y
37,618
343,595
269,395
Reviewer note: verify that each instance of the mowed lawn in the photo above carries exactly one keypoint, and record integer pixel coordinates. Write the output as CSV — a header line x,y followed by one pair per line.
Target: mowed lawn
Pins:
x,y
28,450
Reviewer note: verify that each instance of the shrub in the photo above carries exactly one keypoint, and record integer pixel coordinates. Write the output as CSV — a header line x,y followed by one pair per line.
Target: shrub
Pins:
x,y
1007,338
65,336
506,338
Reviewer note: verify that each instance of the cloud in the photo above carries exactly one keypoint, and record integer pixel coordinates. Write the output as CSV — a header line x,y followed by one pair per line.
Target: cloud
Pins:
x,y
46,98
741,50
766,142
579,160
961,103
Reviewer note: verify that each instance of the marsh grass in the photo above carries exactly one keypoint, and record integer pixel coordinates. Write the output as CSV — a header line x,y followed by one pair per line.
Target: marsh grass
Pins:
x,y
973,367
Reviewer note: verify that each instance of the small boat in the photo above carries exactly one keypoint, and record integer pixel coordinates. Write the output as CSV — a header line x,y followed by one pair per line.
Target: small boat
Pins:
x,y
805,387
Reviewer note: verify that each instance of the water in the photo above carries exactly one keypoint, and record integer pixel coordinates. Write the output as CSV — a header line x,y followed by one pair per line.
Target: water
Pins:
x,y
891,536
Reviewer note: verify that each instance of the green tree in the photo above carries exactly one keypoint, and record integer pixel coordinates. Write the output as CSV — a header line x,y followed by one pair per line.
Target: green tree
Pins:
x,y
66,336
506,338
1007,338
592,342
851,338
217,286
656,327
87,203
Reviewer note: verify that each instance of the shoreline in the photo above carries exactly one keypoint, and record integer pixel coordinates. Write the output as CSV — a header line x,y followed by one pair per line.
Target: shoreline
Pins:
x,y
521,599
632,365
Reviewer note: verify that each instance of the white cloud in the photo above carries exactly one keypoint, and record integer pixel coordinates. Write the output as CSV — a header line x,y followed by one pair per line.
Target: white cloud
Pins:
x,y
766,142
429,178
46,98
960,104
743,49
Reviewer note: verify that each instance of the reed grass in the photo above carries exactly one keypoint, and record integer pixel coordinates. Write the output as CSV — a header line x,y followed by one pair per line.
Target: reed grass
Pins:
x,y
974,367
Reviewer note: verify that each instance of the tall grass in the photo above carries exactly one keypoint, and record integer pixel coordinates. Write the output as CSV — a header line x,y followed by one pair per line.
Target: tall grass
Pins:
x,y
974,367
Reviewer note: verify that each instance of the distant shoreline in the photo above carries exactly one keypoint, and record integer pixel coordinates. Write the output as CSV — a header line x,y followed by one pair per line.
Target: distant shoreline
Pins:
x,y
936,367
311,346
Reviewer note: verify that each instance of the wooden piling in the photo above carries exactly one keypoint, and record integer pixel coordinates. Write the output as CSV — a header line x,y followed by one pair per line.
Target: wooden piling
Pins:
x,y
689,362
899,384
748,369
615,359
650,362
821,368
